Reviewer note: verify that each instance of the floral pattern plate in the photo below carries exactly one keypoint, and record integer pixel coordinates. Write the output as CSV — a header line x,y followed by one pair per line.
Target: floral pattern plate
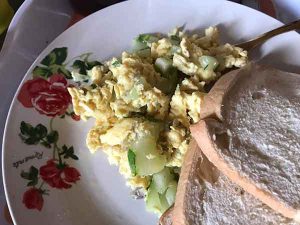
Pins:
x,y
50,176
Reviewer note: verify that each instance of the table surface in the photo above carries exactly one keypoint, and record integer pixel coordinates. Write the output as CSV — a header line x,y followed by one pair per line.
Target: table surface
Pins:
x,y
23,46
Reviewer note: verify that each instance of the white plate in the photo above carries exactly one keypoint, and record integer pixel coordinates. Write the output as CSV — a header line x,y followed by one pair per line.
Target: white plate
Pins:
x,y
100,196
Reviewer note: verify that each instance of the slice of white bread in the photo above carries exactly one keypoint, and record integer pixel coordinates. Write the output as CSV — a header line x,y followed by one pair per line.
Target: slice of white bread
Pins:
x,y
254,138
206,197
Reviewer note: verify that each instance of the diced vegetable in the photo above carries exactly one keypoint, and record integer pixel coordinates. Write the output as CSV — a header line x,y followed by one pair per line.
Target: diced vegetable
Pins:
x,y
162,180
163,65
175,49
175,40
146,52
156,128
132,95
156,202
142,43
164,205
138,45
168,85
131,161
208,62
148,160
153,200
171,192
148,165
147,38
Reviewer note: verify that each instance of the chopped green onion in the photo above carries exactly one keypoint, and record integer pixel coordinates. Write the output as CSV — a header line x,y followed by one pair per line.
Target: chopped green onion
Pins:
x,y
131,161
116,63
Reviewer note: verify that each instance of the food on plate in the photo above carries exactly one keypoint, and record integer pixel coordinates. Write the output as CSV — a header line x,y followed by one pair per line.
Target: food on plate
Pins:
x,y
205,196
250,131
144,102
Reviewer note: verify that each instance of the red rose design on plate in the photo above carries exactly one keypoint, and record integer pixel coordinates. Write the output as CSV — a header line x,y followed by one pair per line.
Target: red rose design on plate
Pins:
x,y
49,97
59,176
33,199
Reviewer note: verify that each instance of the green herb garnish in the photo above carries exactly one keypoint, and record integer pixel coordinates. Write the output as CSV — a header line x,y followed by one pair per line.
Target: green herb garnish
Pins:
x,y
93,86
131,161
116,63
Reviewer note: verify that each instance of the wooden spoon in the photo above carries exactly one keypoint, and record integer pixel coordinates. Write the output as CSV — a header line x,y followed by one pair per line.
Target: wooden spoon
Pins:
x,y
248,45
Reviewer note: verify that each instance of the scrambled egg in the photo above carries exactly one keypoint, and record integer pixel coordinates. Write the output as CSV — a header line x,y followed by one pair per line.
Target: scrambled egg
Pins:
x,y
126,92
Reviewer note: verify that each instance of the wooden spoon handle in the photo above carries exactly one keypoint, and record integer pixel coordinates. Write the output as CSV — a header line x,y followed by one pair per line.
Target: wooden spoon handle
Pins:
x,y
262,38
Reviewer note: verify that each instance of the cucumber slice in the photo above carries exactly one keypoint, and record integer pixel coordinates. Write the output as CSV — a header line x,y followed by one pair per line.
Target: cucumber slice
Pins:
x,y
146,52
137,45
175,40
208,62
171,193
168,85
169,73
156,128
164,205
149,164
153,200
162,180
148,160
163,65
175,49
132,95
147,38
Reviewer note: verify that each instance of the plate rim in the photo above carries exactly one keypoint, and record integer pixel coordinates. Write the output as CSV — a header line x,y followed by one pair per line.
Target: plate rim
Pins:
x,y
46,49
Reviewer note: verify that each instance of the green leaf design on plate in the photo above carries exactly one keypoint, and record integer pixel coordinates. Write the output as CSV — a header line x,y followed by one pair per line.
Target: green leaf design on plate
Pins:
x,y
64,71
26,128
52,137
56,56
40,131
91,64
68,152
53,63
37,135
80,65
44,72
31,175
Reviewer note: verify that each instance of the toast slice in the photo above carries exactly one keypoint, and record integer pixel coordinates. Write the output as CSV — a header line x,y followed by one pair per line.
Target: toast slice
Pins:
x,y
250,130
206,197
